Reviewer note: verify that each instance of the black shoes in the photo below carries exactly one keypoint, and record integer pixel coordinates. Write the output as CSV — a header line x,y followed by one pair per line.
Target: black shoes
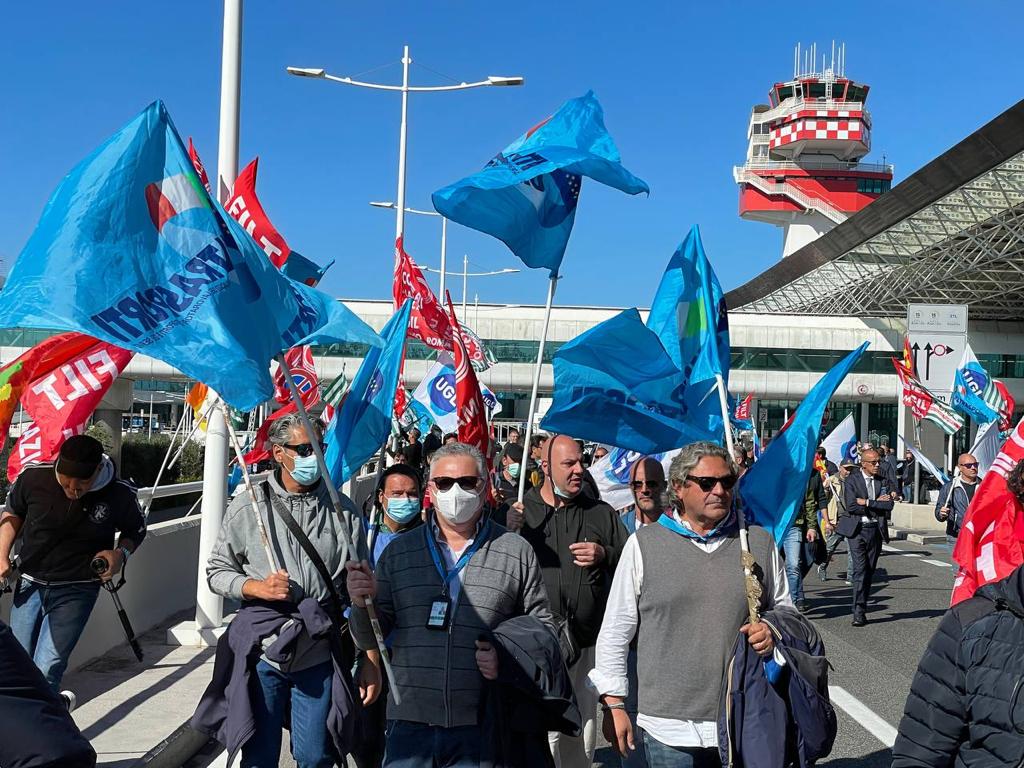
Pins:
x,y
802,606
859,620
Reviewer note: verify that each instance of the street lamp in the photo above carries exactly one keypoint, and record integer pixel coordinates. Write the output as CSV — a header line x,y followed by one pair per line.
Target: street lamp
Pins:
x,y
467,274
444,234
404,89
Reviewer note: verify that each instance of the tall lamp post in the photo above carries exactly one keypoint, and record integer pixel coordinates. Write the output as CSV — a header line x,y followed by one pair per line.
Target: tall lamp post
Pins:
x,y
444,234
405,89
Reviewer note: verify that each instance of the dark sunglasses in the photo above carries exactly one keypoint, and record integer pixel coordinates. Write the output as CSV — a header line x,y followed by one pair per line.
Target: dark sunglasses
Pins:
x,y
302,449
707,484
867,461
638,484
466,483
971,465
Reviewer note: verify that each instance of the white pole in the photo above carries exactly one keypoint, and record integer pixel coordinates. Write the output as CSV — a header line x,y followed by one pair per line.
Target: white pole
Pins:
x,y
163,465
536,382
726,421
149,435
465,279
444,255
403,133
332,490
210,607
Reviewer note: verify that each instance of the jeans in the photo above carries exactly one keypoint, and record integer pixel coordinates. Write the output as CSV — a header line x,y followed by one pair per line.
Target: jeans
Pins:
x,y
793,550
418,745
578,751
310,693
48,622
663,756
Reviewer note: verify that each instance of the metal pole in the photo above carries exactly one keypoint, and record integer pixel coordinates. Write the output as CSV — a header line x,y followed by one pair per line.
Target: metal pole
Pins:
x,y
726,421
536,382
403,133
210,607
444,254
465,279
149,434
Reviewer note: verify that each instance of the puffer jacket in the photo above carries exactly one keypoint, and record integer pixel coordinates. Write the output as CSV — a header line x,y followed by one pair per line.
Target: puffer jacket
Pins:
x,y
966,704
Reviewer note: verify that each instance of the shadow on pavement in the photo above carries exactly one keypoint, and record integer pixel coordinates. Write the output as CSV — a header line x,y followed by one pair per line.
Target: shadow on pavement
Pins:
x,y
923,613
880,759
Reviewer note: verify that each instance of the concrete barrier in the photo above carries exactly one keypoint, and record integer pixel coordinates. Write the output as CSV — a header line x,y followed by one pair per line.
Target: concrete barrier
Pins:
x,y
916,517
161,581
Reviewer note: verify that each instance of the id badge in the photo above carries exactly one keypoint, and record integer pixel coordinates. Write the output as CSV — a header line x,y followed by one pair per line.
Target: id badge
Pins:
x,y
440,608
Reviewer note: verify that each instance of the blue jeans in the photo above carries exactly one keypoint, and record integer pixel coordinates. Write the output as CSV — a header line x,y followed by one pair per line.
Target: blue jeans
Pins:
x,y
417,745
793,549
663,756
48,622
310,693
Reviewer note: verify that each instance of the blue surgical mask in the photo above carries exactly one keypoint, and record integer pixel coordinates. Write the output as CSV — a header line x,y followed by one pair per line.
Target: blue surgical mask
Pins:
x,y
513,470
560,492
403,510
306,470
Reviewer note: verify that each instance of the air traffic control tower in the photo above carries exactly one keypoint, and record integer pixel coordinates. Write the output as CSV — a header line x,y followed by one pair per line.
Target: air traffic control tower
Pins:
x,y
803,170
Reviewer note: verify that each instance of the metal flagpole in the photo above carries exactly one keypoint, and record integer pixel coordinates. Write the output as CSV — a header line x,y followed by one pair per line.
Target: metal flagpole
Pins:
x,y
536,382
163,464
336,500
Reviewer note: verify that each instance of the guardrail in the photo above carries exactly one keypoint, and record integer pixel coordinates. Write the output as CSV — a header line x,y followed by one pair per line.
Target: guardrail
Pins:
x,y
796,105
743,176
817,165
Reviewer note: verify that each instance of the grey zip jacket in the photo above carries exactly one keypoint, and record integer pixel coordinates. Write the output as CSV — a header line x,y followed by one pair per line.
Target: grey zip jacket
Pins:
x,y
239,555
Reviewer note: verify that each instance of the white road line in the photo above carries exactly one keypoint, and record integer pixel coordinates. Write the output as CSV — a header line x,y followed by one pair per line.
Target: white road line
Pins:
x,y
887,548
938,563
864,717
911,554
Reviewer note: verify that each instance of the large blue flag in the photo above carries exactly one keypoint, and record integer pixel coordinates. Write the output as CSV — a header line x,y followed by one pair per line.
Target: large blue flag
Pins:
x,y
363,423
974,390
773,490
652,385
526,196
131,249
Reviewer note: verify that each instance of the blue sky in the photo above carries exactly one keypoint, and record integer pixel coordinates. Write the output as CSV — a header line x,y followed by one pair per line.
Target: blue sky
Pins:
x,y
677,81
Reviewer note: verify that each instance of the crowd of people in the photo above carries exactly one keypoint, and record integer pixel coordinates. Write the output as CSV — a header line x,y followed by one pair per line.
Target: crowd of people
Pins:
x,y
448,624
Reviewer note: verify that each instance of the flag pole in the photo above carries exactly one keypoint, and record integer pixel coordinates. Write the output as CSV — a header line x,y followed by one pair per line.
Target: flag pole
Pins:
x,y
536,382
746,556
336,501
163,464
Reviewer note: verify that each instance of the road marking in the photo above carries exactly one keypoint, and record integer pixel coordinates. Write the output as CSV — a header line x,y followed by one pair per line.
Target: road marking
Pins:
x,y
938,563
864,717
887,548
911,554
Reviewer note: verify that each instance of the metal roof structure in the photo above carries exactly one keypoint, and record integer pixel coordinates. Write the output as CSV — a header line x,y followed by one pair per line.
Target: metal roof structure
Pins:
x,y
952,233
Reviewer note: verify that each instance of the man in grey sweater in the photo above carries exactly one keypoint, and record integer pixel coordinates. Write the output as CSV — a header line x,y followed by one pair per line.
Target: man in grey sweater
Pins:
x,y
439,591
238,569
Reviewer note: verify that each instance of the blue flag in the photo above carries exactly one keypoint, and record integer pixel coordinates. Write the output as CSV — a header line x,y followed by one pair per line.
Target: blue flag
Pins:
x,y
526,196
363,423
131,249
654,384
974,391
774,488
302,270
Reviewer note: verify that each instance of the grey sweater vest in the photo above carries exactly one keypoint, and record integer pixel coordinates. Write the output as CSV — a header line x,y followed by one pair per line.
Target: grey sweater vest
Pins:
x,y
691,605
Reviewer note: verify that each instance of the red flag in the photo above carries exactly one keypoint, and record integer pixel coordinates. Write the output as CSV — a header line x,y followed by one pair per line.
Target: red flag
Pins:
x,y
907,363
260,450
198,164
428,322
469,403
915,396
300,360
29,450
1006,412
743,409
401,398
38,361
245,207
991,541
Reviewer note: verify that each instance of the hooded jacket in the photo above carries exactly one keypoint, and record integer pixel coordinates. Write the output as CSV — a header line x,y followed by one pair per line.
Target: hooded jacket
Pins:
x,y
581,592
966,703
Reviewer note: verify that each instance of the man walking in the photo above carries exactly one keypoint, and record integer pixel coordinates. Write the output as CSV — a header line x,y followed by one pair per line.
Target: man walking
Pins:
x,y
578,540
647,481
677,592
905,469
67,514
439,592
804,528
956,495
869,500
836,509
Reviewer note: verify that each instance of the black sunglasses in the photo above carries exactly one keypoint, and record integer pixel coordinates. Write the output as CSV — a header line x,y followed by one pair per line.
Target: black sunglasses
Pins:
x,y
707,484
302,449
970,465
638,484
466,483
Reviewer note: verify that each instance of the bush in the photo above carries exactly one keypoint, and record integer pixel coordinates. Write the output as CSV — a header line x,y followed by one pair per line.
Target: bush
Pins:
x,y
101,432
190,465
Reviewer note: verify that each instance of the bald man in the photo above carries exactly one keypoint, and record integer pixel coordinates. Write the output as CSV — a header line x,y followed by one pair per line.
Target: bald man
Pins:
x,y
647,481
956,495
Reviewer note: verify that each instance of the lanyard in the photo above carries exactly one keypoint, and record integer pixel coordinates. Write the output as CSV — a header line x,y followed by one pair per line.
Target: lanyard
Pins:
x,y
446,576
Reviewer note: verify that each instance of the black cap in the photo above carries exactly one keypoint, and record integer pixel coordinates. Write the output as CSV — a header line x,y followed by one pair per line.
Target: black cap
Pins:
x,y
515,452
79,457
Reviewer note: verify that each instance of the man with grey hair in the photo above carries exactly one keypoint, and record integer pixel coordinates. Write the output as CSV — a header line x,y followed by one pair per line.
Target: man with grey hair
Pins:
x,y
238,569
679,591
440,590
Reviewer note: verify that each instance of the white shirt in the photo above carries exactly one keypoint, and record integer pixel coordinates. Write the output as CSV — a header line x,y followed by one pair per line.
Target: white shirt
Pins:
x,y
621,619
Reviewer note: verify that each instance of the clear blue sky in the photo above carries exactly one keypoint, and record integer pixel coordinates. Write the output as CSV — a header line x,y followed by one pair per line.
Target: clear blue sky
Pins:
x,y
677,81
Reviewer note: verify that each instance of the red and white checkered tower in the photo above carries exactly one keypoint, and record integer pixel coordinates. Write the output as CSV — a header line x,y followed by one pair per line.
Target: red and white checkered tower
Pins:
x,y
803,171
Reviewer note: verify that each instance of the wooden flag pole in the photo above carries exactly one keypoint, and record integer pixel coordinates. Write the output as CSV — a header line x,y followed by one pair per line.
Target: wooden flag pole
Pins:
x,y
336,501
536,384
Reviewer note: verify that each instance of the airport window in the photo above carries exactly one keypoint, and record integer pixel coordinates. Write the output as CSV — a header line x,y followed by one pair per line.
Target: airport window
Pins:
x,y
785,93
816,90
873,186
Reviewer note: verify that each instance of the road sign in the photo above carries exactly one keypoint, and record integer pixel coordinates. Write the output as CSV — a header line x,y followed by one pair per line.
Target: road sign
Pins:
x,y
938,335
941,318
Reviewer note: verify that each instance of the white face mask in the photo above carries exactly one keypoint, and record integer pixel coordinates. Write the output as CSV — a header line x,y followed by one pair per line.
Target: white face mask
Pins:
x,y
456,505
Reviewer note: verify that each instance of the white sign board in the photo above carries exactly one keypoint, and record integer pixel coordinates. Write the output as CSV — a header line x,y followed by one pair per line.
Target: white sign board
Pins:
x,y
938,335
941,318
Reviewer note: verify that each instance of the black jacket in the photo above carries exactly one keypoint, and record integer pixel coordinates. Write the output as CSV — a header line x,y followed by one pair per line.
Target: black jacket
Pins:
x,y
532,695
966,704
856,488
581,592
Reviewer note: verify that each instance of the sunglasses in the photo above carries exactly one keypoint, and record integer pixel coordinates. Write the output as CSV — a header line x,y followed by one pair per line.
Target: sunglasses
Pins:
x,y
304,450
707,484
466,483
971,465
876,461
638,484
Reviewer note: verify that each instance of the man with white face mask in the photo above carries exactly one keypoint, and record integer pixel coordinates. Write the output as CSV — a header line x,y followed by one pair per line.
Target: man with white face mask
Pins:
x,y
438,590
